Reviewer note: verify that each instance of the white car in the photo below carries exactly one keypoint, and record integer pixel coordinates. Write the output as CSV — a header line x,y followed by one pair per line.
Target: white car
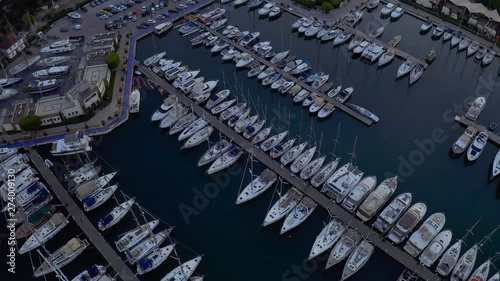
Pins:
x,y
77,27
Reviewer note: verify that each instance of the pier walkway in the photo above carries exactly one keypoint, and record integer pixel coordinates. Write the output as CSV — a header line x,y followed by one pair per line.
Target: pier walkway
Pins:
x,y
396,253
492,137
290,77
119,266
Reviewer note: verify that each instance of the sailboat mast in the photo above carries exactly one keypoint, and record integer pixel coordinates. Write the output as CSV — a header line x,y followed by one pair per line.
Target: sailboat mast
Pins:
x,y
336,141
353,154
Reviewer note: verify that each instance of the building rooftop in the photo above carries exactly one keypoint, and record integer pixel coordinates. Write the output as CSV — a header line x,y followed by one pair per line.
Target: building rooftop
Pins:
x,y
96,73
22,109
5,44
53,105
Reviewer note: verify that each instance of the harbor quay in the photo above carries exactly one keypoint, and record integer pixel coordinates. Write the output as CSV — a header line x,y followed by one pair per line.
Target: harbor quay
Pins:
x,y
337,211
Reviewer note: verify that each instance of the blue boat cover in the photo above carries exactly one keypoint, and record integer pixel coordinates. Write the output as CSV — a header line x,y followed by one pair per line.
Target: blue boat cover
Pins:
x,y
33,186
233,119
250,129
145,263
41,196
89,201
214,97
93,271
106,219
235,150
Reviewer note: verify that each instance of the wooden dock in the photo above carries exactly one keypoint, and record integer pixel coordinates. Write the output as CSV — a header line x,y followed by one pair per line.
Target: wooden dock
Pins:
x,y
395,252
119,266
492,137
337,104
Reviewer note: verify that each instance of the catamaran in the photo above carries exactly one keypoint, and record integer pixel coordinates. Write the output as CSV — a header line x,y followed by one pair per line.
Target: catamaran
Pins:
x,y
327,237
392,212
377,198
299,214
257,186
342,181
115,215
63,256
132,237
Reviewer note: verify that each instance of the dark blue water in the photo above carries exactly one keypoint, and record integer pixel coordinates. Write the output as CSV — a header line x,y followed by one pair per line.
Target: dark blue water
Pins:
x,y
412,140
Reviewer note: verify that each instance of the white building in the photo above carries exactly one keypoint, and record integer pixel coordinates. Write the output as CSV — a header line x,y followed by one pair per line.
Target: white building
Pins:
x,y
10,47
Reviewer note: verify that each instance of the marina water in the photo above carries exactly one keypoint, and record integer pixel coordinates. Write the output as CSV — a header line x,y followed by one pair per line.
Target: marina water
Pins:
x,y
412,140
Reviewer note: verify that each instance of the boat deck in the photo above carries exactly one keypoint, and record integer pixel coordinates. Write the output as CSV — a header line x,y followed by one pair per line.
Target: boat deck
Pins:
x,y
290,77
492,137
301,185
113,259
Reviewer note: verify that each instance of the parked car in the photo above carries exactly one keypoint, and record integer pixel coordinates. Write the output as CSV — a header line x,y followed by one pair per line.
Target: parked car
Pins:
x,y
162,5
84,9
64,29
77,27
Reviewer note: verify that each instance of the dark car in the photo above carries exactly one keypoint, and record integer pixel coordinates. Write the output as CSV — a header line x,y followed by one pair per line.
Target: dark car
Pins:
x,y
84,9
64,29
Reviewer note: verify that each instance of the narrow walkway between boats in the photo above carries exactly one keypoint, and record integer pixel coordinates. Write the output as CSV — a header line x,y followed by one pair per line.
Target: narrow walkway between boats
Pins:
x,y
396,253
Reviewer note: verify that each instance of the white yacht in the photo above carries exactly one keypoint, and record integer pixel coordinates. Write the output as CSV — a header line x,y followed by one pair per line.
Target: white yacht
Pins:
x,y
416,73
481,273
312,30
266,73
397,13
58,47
145,247
24,64
185,77
161,112
198,137
185,270
279,57
222,106
249,38
273,141
476,108
449,259
281,148
241,125
238,117
6,153
283,206
214,152
257,186
342,38
377,198
464,44
357,259
218,24
488,57
302,160
306,23
271,79
343,248
357,195
303,67
230,112
245,60
405,68
355,42
53,61
344,95
216,99
182,123
132,237
254,129
425,233
71,144
62,256
372,53
320,81
342,182
299,214
435,248
256,71
135,101
386,57
264,11
393,212
201,91
495,168
407,223
186,87
311,168
262,135
495,277
53,72
298,23
292,153
227,159
324,173
301,96
230,55
317,105
115,215
291,65
477,146
44,233
387,10
332,34
465,265
327,237
194,127
99,197
7,93
155,259
154,59
472,48
361,47
173,115
463,142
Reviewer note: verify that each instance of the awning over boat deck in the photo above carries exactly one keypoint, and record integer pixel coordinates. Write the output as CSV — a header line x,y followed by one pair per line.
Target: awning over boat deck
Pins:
x,y
85,190
477,8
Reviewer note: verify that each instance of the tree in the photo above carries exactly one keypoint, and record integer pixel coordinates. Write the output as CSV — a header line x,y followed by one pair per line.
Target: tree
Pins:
x,y
335,3
113,60
326,7
30,123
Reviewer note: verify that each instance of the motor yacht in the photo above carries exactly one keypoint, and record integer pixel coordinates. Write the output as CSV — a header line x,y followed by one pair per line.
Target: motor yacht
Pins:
x,y
393,212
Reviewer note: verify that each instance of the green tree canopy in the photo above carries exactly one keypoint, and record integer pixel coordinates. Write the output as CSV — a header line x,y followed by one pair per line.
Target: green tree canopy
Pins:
x,y
326,7
113,60
30,123
335,3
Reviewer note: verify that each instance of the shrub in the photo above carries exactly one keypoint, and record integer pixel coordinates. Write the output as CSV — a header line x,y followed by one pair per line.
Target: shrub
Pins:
x,y
30,123
113,60
326,7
